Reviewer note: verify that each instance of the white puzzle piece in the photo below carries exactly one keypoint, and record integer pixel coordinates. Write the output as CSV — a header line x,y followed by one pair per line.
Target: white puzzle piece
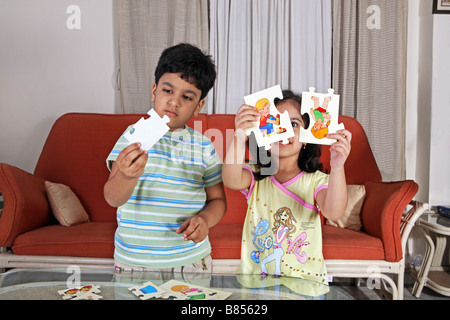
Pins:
x,y
147,291
148,131
323,111
80,292
273,126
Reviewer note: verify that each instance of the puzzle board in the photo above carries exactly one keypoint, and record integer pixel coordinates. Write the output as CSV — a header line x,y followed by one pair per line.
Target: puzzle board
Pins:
x,y
323,111
148,131
273,126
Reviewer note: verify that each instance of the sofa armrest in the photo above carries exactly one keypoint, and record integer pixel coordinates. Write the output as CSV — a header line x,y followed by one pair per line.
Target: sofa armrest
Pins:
x,y
25,203
382,212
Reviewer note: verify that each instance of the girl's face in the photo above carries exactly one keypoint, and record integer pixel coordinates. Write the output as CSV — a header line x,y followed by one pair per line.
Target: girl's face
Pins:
x,y
284,217
293,148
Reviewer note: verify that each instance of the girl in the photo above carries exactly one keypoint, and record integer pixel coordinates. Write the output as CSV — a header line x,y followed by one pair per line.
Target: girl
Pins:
x,y
282,230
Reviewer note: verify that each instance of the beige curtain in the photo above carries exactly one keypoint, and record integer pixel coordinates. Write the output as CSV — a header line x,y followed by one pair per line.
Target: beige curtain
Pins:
x,y
145,29
261,43
369,72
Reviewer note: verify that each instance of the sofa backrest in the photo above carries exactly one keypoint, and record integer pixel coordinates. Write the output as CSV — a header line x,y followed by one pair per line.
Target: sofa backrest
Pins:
x,y
75,155
77,146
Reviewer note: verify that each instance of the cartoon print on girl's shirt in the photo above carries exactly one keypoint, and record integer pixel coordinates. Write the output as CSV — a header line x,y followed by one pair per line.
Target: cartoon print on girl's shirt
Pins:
x,y
283,228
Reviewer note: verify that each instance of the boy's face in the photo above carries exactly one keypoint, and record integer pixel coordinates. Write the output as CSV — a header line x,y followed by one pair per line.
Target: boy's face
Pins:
x,y
177,99
265,111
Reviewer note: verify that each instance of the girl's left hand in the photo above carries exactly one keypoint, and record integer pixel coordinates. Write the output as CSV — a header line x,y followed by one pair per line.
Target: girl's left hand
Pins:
x,y
340,150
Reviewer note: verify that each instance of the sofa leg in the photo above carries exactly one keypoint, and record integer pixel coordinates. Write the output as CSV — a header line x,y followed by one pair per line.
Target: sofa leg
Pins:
x,y
400,280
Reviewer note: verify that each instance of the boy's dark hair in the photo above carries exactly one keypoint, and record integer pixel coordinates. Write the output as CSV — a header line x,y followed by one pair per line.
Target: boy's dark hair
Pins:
x,y
309,158
195,66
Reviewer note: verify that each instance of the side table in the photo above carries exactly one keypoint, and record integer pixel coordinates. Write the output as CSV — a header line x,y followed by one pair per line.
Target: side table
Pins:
x,y
438,281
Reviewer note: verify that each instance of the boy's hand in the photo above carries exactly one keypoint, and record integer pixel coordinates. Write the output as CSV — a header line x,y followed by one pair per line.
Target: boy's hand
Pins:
x,y
340,150
132,160
195,228
125,173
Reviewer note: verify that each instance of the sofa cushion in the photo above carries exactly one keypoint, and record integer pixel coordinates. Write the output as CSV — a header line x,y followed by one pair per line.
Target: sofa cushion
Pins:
x,y
226,241
349,244
66,206
91,239
352,215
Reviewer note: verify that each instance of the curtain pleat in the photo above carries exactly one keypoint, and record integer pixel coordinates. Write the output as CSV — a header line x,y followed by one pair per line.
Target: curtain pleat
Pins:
x,y
261,43
146,28
369,72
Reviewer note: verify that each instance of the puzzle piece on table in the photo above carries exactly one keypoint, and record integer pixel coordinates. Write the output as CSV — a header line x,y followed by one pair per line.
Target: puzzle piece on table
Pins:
x,y
80,292
148,131
147,291
177,290
323,111
273,126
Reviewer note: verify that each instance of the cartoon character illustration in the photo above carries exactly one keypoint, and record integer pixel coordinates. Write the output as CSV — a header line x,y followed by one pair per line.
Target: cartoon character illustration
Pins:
x,y
283,229
260,229
295,247
267,121
284,226
321,117
323,110
271,126
191,293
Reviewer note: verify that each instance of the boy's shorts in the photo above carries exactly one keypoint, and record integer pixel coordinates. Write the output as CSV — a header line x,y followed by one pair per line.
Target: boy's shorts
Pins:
x,y
202,266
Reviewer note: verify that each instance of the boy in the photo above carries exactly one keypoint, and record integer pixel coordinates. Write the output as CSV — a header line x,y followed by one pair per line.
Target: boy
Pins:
x,y
169,196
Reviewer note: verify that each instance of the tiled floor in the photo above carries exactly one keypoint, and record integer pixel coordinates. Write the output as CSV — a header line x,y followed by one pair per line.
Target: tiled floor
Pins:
x,y
362,292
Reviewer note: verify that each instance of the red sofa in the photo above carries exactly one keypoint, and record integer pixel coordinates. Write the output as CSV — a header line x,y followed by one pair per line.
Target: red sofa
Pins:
x,y
75,155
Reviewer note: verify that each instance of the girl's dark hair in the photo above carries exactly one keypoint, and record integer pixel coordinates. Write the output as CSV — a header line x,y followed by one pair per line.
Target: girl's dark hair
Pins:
x,y
309,157
195,67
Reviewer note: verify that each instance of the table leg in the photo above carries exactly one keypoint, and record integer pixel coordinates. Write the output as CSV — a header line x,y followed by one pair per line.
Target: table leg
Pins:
x,y
441,245
425,268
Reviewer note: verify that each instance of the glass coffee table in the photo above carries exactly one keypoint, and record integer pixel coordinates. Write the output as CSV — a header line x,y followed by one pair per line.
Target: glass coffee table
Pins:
x,y
47,284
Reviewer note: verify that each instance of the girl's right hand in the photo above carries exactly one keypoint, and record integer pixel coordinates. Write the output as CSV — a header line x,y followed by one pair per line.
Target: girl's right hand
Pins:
x,y
245,118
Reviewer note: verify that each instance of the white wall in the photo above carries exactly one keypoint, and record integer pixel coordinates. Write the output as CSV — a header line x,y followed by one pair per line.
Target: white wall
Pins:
x,y
440,114
428,146
47,70
412,87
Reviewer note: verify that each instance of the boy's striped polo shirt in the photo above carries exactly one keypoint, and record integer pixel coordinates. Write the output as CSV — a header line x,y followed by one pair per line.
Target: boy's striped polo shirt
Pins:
x,y
180,166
